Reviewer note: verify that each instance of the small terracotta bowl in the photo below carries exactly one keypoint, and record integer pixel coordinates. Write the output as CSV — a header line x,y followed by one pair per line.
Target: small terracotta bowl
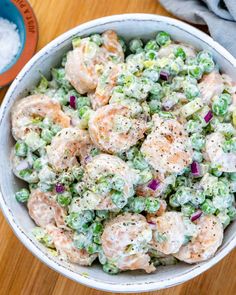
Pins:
x,y
20,13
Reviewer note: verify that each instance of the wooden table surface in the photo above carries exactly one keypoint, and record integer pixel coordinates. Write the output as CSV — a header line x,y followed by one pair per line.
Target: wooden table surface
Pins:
x,y
20,271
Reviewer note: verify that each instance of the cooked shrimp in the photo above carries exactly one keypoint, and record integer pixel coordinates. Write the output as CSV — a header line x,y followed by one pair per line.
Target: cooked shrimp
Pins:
x,y
80,66
106,83
83,61
211,84
125,240
166,147
104,165
66,146
204,245
113,130
112,45
168,50
214,151
170,232
44,210
64,245
32,108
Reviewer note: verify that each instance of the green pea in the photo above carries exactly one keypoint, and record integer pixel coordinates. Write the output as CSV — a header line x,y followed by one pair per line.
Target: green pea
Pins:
x,y
104,186
64,199
92,248
197,156
198,198
83,110
229,145
163,38
154,106
184,195
103,214
221,188
22,195
208,207
118,184
151,205
135,45
47,135
191,91
151,74
224,219
151,54
55,129
193,126
205,61
179,52
226,97
195,72
232,176
97,239
219,106
156,91
45,187
232,213
66,178
139,162
21,149
97,228
38,164
76,42
82,101
88,215
151,45
173,201
29,175
118,199
187,209
81,240
77,173
74,220
197,141
132,153
102,257
110,268
123,44
137,204
96,38
215,170
145,176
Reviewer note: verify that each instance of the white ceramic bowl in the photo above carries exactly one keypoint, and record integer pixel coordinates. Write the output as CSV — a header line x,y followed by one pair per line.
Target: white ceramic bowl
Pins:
x,y
128,26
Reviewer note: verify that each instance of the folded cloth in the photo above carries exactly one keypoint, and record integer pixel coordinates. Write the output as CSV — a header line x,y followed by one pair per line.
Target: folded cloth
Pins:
x,y
218,15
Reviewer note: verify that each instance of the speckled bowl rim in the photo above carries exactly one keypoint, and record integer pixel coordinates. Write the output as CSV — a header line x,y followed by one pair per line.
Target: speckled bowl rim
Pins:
x,y
27,241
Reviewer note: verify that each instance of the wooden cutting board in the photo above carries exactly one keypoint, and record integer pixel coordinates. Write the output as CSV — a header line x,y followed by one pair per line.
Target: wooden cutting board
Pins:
x,y
20,271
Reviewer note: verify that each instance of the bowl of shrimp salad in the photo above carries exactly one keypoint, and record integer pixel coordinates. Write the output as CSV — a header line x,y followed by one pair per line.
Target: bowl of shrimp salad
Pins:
x,y
118,144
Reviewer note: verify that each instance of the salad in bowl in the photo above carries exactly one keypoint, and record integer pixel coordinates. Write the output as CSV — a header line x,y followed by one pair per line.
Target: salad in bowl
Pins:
x,y
129,152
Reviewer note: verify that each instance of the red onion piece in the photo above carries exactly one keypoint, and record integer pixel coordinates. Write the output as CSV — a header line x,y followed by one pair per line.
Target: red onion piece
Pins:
x,y
195,169
153,184
196,215
73,101
59,188
22,165
208,117
152,225
164,75
87,159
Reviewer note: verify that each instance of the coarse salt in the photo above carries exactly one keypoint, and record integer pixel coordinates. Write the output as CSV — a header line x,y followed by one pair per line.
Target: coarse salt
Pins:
x,y
9,42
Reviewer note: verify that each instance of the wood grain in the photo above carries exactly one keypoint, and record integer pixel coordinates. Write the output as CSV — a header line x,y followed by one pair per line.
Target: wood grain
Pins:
x,y
20,271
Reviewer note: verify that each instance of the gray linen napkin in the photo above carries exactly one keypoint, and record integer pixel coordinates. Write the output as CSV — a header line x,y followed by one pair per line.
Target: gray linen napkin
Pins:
x,y
218,15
